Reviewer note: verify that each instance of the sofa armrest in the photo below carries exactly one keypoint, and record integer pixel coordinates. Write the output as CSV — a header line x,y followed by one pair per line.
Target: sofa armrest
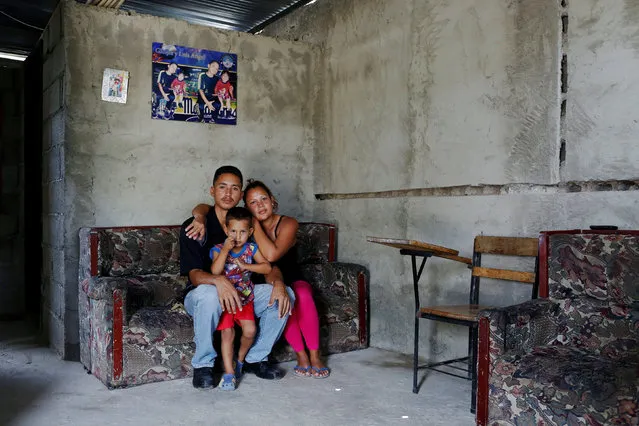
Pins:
x,y
520,327
341,294
512,329
137,291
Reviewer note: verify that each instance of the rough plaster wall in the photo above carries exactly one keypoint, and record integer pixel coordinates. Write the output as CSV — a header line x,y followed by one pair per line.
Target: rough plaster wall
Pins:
x,y
123,168
483,87
433,93
603,64
483,94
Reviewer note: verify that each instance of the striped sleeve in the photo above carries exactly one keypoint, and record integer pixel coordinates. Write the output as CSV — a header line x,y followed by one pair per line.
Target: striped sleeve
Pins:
x,y
199,82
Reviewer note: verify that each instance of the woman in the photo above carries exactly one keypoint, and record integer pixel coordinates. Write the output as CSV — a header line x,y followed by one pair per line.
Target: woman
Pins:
x,y
275,235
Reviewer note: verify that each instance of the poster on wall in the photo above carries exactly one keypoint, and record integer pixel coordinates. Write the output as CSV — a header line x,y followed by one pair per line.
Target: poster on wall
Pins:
x,y
194,85
115,85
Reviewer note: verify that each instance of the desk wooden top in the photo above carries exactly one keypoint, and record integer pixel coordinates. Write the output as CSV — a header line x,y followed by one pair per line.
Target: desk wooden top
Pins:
x,y
436,250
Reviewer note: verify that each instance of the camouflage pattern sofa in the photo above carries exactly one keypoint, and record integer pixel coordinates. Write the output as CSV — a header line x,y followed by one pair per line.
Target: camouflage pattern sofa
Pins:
x,y
134,330
571,358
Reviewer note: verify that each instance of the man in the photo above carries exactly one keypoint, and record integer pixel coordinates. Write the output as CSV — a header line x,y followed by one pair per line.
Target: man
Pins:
x,y
209,295
165,79
206,89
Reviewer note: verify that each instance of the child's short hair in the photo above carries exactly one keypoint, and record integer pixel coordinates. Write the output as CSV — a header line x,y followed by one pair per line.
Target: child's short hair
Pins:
x,y
239,213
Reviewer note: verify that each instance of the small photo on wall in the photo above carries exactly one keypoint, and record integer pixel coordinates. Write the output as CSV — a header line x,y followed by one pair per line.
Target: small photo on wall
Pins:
x,y
115,85
194,85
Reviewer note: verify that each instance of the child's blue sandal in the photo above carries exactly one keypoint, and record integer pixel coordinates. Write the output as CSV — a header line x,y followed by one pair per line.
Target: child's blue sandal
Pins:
x,y
228,382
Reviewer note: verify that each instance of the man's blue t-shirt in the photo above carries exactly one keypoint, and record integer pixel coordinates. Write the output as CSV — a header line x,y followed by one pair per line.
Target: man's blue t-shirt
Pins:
x,y
165,79
207,85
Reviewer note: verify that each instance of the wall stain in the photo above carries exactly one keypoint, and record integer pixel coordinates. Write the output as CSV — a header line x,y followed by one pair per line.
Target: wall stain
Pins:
x,y
631,18
427,24
533,98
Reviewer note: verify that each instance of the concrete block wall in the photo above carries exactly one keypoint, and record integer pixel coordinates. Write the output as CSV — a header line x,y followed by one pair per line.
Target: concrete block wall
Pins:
x,y
12,292
59,310
443,120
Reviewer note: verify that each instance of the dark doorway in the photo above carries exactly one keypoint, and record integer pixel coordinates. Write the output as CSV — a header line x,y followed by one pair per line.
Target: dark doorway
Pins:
x,y
33,182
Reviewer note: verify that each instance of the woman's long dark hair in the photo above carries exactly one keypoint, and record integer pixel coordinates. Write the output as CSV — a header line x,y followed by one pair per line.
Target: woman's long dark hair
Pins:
x,y
252,184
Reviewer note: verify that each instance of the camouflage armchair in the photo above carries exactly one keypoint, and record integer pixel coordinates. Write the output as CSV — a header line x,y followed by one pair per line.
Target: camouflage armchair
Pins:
x,y
572,357
133,329
129,280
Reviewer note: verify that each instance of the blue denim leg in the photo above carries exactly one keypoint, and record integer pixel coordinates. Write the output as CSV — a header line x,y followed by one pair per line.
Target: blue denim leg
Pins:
x,y
271,326
203,304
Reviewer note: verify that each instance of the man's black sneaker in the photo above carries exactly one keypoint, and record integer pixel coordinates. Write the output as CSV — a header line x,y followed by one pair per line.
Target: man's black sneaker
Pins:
x,y
263,370
203,378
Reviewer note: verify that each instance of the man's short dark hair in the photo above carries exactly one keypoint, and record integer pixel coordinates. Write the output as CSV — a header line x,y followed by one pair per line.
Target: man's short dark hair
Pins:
x,y
239,213
228,169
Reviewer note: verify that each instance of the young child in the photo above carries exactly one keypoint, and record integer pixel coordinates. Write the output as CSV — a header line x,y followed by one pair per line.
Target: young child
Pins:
x,y
224,92
236,259
178,86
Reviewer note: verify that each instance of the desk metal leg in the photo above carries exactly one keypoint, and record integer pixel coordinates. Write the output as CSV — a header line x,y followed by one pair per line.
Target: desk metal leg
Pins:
x,y
416,276
416,355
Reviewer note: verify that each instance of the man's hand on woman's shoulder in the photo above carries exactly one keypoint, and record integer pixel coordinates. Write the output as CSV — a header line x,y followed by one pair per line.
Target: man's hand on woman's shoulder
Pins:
x,y
196,230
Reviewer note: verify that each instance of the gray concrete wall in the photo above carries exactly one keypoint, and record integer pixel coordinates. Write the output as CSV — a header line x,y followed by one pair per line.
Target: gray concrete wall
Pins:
x,y
12,291
603,62
59,308
120,167
434,93
428,94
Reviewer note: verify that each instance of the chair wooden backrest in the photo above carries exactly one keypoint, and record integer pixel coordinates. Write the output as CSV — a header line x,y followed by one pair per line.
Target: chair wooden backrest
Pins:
x,y
503,246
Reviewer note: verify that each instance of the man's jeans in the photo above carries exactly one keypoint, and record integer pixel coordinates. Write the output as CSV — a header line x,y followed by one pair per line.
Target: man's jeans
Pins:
x,y
203,304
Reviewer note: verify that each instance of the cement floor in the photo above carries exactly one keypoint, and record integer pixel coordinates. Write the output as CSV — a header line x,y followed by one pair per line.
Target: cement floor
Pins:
x,y
369,387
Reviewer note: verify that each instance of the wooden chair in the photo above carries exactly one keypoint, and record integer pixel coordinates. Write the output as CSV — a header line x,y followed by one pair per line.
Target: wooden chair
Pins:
x,y
467,314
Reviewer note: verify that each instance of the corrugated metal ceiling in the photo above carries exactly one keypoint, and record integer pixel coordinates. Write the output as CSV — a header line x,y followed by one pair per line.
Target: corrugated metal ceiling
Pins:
x,y
238,15
21,21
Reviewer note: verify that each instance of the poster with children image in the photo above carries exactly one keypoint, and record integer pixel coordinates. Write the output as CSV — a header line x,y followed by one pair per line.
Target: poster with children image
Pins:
x,y
115,85
194,85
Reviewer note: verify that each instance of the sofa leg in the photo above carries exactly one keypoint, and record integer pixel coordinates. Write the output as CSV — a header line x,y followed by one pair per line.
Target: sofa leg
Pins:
x,y
473,369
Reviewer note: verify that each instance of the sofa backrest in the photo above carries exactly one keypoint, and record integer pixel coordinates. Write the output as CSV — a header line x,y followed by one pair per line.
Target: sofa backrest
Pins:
x,y
142,250
137,250
594,276
316,243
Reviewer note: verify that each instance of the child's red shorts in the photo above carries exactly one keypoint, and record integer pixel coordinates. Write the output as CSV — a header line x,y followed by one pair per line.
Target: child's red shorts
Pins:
x,y
228,319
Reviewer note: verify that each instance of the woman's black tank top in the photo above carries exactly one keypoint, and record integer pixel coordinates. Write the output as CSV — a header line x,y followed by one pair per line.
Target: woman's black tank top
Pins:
x,y
288,263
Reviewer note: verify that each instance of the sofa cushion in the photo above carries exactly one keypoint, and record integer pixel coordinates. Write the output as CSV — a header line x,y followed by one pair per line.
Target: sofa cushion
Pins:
x,y
568,381
138,251
159,326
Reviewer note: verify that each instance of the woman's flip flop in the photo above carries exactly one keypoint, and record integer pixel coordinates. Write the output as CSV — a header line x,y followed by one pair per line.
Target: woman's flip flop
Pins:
x,y
317,372
302,371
